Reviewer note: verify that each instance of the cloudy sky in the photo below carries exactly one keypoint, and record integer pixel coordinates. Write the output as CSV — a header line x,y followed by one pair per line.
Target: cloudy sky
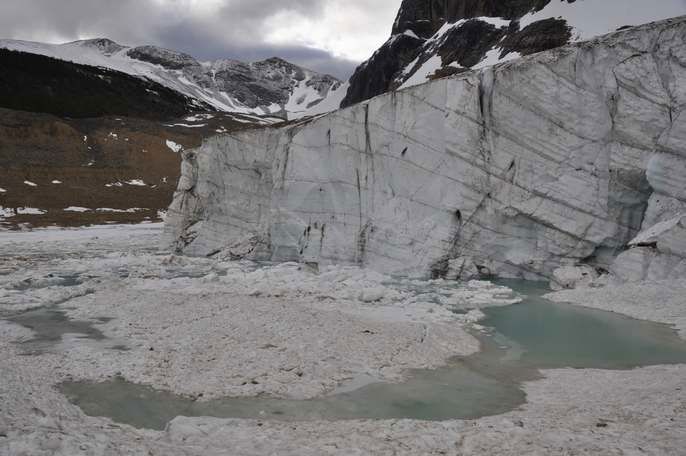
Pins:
x,y
332,36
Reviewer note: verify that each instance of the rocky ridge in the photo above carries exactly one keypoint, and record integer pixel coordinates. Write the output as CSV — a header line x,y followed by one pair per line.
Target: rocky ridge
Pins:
x,y
433,39
554,160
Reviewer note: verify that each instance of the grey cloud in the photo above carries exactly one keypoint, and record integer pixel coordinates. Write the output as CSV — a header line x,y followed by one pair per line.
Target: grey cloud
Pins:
x,y
69,18
203,45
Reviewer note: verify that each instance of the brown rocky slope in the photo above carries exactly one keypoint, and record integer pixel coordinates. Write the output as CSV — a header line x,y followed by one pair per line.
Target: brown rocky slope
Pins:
x,y
67,169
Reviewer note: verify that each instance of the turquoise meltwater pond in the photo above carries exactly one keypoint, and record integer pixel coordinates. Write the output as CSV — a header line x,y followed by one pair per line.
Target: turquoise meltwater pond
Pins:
x,y
519,341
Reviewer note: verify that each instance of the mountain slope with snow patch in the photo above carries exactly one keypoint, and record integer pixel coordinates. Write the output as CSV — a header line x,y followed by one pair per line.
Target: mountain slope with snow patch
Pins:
x,y
272,87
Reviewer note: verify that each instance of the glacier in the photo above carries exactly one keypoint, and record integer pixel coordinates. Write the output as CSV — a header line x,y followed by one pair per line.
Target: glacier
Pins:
x,y
556,160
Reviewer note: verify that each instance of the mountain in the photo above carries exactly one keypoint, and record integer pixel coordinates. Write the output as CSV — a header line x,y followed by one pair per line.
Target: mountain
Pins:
x,y
572,157
93,131
35,83
272,87
83,144
436,38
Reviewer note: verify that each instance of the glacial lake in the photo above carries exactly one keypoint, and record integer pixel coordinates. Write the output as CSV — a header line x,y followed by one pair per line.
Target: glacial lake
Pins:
x,y
520,340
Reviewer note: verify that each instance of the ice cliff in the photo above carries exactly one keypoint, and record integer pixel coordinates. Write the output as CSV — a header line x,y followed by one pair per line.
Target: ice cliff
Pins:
x,y
572,157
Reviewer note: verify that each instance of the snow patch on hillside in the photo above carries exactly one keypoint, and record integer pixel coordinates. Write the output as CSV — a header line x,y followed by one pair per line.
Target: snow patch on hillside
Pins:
x,y
6,212
136,183
119,211
428,68
493,58
174,147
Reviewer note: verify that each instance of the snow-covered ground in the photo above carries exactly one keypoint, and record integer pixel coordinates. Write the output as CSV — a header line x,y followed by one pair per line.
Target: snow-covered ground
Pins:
x,y
313,318
132,254
199,325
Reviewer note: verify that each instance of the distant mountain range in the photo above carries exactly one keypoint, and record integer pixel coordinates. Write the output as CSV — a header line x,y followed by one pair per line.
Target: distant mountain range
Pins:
x,y
271,87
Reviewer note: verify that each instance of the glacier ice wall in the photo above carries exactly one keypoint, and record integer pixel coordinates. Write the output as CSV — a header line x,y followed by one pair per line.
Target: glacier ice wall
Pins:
x,y
557,159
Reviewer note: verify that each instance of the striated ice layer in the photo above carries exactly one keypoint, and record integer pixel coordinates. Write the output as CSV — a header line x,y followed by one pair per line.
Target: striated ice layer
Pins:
x,y
556,160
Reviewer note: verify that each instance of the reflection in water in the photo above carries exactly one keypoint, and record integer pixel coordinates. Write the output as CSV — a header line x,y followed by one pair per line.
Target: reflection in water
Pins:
x,y
50,324
521,339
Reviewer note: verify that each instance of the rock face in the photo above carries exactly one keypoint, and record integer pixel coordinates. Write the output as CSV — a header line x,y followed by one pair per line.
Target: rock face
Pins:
x,y
163,57
272,87
425,17
435,38
555,160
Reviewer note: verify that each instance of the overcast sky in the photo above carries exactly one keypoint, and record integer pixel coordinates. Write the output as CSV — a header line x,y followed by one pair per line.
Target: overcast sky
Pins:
x,y
331,36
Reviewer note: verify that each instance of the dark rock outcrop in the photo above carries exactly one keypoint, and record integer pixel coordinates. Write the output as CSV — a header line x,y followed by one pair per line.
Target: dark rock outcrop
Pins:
x,y
104,45
425,17
376,75
166,58
537,37
469,43
414,40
